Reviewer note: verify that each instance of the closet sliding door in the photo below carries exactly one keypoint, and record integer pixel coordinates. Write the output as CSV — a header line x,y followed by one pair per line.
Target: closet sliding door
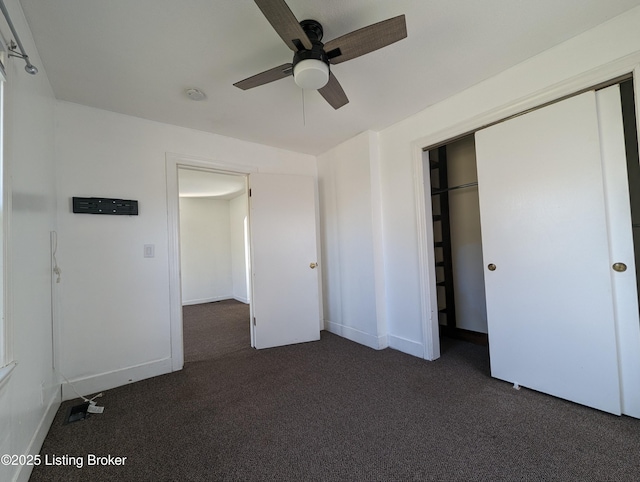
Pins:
x,y
548,272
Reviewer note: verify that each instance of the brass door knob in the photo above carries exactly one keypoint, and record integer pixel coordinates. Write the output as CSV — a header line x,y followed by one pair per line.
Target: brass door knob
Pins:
x,y
313,265
619,267
492,267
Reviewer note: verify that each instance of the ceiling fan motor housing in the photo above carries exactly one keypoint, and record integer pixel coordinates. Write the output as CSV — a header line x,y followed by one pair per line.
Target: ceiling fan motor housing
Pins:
x,y
311,67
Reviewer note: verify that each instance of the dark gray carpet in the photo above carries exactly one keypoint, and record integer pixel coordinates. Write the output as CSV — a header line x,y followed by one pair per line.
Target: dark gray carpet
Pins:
x,y
212,330
337,411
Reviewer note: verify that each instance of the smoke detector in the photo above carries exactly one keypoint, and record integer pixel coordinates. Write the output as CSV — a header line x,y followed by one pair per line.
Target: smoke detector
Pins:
x,y
195,94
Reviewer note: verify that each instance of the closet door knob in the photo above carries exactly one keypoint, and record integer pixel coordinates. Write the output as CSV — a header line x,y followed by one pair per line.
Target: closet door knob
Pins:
x,y
492,267
619,267
313,265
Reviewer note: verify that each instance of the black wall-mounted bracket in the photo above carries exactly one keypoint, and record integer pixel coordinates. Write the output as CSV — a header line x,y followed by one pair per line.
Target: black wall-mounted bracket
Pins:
x,y
101,205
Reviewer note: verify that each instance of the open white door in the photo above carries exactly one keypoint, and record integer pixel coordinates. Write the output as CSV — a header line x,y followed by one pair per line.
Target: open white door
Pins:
x,y
546,249
285,302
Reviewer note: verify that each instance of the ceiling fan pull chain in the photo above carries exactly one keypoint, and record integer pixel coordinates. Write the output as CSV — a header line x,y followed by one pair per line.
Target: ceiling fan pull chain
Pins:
x,y
304,117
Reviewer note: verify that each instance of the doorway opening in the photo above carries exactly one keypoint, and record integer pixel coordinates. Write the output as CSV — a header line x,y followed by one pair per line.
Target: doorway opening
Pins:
x,y
457,248
214,263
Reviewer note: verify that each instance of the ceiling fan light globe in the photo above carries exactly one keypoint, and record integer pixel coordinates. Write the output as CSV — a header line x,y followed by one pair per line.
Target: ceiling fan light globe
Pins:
x,y
311,74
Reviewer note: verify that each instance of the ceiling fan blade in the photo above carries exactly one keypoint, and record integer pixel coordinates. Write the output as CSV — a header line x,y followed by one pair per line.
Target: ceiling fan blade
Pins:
x,y
265,77
285,24
333,93
365,40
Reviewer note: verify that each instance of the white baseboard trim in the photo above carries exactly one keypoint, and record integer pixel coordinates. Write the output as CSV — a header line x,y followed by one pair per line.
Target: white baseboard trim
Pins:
x,y
242,300
207,300
409,347
35,444
366,339
104,381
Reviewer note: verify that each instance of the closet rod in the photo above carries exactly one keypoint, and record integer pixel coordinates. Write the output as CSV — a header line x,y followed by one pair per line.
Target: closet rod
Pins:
x,y
453,188
30,68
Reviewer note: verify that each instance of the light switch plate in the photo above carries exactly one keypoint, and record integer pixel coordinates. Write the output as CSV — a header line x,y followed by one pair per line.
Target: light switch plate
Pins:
x,y
149,250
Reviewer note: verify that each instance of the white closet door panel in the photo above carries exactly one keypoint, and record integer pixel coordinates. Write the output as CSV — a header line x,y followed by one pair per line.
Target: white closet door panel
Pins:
x,y
621,247
549,300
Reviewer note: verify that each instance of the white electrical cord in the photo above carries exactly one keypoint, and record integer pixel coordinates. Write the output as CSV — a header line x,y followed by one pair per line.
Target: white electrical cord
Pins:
x,y
56,268
93,408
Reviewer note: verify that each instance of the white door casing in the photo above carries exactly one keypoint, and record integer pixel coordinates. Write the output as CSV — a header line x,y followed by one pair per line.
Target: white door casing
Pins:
x,y
544,227
285,280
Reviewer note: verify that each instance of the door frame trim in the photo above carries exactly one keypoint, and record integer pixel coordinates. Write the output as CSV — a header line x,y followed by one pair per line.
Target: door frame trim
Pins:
x,y
173,162
593,78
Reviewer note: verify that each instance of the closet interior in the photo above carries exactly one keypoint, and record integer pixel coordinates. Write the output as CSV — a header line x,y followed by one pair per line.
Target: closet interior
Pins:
x,y
453,180
633,165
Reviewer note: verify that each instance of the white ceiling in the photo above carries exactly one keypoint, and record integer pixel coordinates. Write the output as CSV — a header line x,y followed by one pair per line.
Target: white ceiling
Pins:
x,y
194,183
138,57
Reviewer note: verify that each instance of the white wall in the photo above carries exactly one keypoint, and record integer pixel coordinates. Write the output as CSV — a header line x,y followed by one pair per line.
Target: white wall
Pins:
x,y
237,215
115,303
399,143
348,201
205,250
30,397
212,249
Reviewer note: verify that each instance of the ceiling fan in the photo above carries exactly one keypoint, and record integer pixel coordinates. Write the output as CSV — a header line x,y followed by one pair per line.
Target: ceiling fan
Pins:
x,y
311,59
